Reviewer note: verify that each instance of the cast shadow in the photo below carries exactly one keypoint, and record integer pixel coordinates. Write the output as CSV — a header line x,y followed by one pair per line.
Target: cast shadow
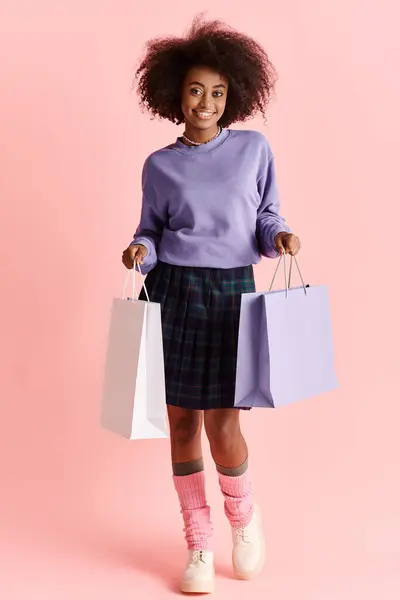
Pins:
x,y
156,557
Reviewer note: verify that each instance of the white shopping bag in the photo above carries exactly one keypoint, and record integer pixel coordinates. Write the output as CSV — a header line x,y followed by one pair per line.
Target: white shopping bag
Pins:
x,y
133,403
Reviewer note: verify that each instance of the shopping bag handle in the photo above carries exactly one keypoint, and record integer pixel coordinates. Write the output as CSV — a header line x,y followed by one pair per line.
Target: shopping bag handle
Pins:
x,y
135,295
288,280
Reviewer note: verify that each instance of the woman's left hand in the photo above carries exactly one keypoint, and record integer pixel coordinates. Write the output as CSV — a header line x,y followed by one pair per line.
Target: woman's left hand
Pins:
x,y
287,243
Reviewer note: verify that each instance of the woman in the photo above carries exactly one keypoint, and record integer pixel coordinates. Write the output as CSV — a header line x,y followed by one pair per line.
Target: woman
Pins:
x,y
210,211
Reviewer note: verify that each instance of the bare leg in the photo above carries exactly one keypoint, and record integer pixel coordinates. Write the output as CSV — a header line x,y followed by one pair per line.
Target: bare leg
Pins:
x,y
185,432
227,444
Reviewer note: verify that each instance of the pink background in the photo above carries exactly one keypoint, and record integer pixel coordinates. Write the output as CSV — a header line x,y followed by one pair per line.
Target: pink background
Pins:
x,y
85,514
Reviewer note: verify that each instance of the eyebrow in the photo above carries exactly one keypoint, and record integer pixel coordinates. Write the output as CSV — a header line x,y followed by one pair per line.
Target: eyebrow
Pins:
x,y
219,85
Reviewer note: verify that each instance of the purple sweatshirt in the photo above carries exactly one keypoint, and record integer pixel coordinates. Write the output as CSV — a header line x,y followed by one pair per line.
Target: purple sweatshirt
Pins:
x,y
215,205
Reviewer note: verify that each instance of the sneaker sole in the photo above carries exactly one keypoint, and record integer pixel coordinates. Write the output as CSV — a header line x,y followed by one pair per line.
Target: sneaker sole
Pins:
x,y
198,587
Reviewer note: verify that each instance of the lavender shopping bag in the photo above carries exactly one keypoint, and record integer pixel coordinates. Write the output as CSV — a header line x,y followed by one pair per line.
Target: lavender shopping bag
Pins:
x,y
285,351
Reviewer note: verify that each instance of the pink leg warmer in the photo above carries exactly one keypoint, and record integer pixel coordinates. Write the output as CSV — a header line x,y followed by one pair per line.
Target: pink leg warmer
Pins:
x,y
238,498
195,511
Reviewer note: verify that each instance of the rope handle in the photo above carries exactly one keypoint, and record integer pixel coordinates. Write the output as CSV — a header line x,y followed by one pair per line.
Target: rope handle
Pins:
x,y
288,280
135,295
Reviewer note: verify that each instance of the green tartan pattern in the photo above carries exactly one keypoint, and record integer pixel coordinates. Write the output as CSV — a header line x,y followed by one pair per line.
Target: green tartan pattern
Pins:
x,y
200,311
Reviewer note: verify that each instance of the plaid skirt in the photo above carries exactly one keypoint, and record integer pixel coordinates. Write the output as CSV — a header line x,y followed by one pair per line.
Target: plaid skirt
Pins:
x,y
200,310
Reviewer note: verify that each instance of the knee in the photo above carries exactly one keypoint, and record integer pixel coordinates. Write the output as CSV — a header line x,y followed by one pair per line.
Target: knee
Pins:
x,y
185,429
222,431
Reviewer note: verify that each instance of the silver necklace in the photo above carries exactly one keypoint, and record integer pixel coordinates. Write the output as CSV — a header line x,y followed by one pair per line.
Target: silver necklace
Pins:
x,y
202,143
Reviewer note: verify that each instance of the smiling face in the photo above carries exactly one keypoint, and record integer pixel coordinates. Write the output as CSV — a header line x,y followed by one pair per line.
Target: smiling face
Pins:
x,y
204,95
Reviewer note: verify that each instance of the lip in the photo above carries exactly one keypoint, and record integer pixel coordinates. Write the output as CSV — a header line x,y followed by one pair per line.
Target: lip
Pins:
x,y
208,115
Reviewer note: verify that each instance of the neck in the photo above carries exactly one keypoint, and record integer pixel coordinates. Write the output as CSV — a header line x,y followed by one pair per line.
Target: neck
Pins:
x,y
200,135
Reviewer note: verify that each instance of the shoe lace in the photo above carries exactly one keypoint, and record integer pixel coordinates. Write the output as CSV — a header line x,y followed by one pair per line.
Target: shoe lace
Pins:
x,y
242,534
198,555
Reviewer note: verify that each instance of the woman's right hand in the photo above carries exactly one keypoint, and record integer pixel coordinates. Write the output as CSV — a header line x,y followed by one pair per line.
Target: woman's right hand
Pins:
x,y
132,254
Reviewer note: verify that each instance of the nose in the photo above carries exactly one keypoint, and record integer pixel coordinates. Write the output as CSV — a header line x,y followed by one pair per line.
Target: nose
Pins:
x,y
206,102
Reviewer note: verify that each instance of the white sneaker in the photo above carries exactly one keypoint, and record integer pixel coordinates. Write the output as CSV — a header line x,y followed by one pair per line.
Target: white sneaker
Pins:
x,y
199,575
248,554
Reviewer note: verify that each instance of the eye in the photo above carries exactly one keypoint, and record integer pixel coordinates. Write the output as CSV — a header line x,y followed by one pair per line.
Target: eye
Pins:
x,y
196,91
218,94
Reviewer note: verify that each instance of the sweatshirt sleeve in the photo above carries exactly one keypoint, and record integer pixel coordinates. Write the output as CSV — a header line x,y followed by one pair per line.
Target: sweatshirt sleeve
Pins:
x,y
150,228
269,221
148,234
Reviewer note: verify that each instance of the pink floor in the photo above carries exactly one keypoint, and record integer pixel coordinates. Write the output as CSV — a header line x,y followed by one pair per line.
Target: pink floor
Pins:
x,y
108,560
94,526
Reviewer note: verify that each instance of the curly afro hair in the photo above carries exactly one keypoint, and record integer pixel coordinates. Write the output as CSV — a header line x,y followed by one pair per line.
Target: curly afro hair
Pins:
x,y
236,56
